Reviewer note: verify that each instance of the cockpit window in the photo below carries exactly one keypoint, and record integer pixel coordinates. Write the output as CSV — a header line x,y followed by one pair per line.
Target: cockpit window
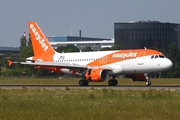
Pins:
x,y
161,56
157,56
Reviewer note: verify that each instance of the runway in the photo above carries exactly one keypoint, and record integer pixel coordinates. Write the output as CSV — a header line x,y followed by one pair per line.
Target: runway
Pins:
x,y
135,87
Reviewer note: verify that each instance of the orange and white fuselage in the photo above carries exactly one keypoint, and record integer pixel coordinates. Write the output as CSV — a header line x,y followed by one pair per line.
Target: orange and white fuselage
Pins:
x,y
119,62
94,66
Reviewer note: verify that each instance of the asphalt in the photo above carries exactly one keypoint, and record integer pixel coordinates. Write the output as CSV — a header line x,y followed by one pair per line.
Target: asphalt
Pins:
x,y
134,87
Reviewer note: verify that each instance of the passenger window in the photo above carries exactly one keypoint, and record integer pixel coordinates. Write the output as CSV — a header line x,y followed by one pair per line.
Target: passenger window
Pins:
x,y
152,56
156,56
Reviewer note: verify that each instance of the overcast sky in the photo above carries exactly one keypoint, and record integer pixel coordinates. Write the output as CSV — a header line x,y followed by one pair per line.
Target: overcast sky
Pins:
x,y
95,18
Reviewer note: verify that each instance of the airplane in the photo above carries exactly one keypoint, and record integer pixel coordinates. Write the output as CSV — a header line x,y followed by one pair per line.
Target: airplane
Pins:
x,y
96,66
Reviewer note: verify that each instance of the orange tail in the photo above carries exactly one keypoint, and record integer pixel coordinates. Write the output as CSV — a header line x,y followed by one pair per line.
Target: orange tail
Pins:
x,y
39,42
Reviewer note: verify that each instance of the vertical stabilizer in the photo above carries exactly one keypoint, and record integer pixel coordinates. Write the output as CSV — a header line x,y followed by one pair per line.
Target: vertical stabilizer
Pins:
x,y
40,44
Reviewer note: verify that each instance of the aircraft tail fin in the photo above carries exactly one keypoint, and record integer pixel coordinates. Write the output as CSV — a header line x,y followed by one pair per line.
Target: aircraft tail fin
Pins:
x,y
39,41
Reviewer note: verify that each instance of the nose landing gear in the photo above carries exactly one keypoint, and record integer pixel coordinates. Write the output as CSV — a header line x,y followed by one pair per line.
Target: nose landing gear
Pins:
x,y
148,83
148,79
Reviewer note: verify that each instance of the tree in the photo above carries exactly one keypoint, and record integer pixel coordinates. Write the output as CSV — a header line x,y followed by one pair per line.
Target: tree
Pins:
x,y
174,55
117,47
26,52
29,40
72,48
67,48
4,57
6,70
88,48
159,49
23,41
105,49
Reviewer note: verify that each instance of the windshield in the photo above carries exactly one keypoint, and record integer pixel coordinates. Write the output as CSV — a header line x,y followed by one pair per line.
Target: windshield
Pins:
x,y
157,56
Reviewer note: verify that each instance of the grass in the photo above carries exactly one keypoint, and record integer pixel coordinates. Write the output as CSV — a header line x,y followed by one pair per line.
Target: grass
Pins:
x,y
76,104
71,104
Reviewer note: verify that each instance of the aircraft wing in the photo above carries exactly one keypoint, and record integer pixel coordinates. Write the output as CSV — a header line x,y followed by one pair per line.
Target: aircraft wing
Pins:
x,y
64,65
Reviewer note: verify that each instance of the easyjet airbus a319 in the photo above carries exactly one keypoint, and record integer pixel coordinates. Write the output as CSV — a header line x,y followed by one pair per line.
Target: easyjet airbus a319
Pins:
x,y
96,66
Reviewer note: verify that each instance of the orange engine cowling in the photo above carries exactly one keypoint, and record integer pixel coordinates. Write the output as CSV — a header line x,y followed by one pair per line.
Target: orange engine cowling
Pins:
x,y
96,75
138,77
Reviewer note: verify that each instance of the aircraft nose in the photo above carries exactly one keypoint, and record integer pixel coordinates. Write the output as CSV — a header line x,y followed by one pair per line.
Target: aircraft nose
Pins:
x,y
168,64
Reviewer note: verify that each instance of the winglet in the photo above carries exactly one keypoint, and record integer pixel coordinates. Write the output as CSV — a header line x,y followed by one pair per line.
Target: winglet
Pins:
x,y
10,62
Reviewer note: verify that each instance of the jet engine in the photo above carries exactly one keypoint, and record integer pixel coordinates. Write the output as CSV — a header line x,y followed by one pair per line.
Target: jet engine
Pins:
x,y
96,75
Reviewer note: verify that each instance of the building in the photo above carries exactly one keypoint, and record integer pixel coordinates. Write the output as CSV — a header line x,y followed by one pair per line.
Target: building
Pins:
x,y
146,34
81,42
14,50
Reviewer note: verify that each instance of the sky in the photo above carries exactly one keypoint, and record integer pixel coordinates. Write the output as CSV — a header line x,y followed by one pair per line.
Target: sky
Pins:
x,y
95,18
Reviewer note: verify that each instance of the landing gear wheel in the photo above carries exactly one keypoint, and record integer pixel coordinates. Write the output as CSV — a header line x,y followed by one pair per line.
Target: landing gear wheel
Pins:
x,y
148,83
83,83
86,83
148,78
112,82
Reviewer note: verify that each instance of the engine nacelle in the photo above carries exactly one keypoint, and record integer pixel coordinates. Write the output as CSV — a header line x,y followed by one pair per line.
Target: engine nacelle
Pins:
x,y
138,77
96,75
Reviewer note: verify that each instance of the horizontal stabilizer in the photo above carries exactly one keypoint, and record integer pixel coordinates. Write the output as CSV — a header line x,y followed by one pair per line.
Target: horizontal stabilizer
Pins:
x,y
10,62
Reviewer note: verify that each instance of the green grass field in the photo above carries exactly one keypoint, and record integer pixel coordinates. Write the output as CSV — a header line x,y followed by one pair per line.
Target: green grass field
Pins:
x,y
90,104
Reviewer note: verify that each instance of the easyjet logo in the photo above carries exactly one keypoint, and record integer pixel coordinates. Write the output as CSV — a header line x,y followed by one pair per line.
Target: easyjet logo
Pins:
x,y
39,38
125,55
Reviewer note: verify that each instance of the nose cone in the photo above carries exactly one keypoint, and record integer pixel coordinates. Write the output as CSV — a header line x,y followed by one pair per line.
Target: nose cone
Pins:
x,y
167,64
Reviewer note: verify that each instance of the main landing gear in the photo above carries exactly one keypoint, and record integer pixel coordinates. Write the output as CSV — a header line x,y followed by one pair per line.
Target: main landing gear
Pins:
x,y
148,78
83,82
113,82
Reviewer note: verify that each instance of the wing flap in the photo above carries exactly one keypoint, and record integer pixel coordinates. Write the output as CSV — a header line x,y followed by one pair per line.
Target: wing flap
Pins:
x,y
64,65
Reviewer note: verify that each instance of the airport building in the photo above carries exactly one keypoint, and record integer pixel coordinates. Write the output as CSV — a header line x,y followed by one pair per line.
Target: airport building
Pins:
x,y
81,42
14,50
146,34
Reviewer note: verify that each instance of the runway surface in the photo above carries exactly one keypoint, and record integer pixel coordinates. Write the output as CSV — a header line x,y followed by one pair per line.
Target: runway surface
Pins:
x,y
135,87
